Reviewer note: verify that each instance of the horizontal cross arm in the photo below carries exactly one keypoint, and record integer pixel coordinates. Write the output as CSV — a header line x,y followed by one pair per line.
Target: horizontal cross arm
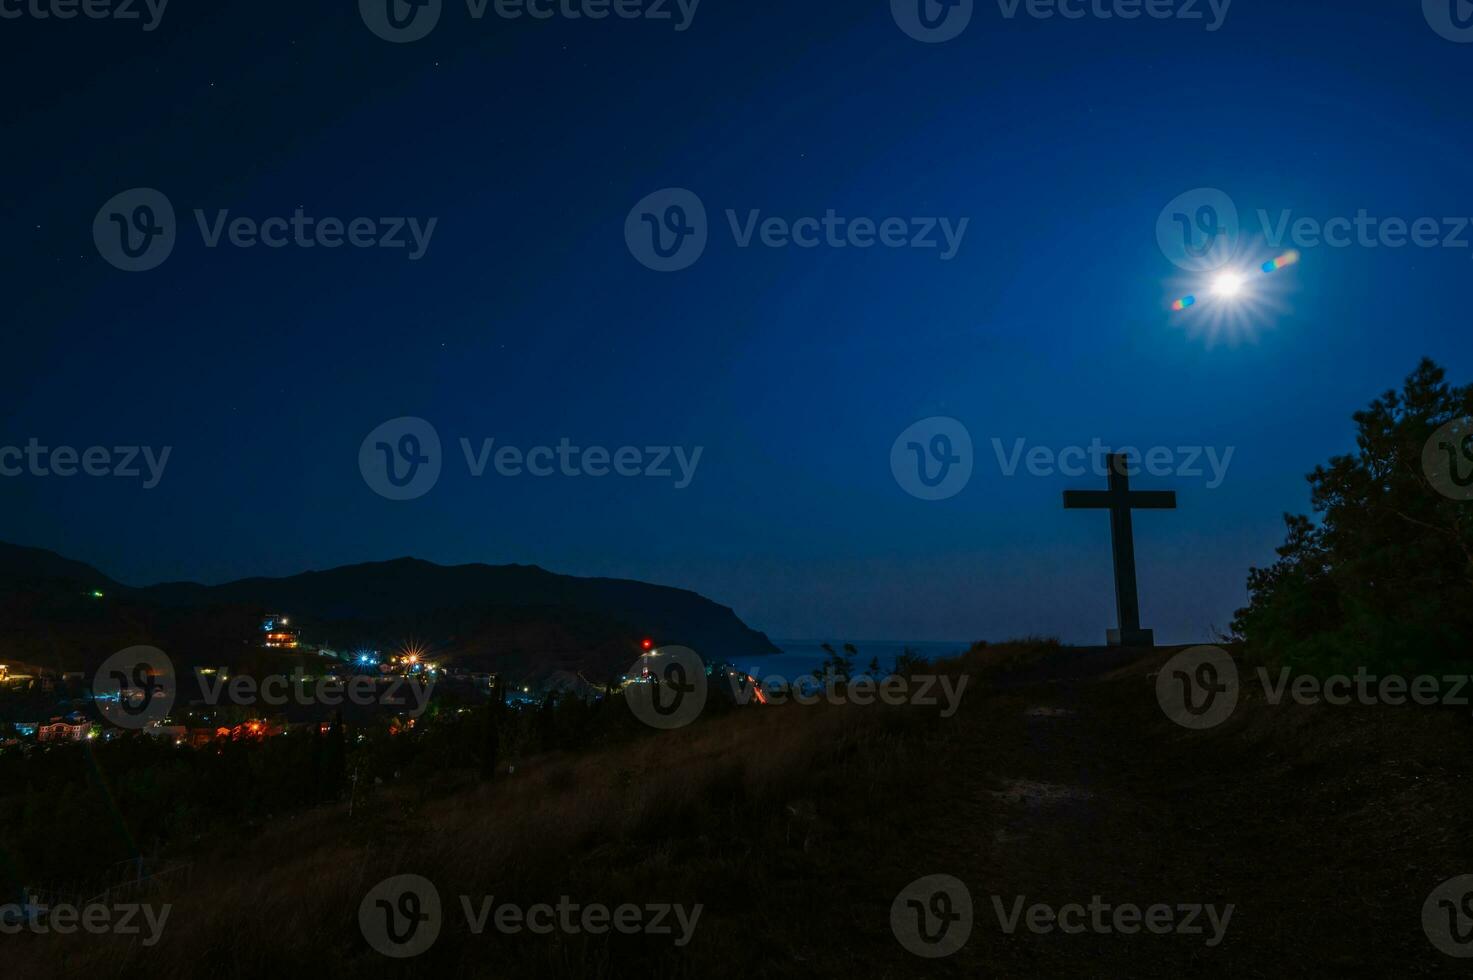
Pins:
x,y
1134,499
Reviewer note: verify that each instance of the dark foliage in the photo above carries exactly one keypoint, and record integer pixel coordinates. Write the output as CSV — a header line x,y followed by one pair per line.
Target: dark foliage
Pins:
x,y
1384,577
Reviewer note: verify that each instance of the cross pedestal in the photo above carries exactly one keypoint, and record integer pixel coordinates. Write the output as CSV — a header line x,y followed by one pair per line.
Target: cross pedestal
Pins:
x,y
1120,500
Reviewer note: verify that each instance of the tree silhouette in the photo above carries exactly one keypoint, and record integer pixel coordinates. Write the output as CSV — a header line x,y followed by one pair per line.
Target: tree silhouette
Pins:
x,y
1385,577
836,666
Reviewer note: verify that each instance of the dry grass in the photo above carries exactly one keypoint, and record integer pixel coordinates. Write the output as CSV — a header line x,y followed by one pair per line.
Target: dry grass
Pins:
x,y
688,817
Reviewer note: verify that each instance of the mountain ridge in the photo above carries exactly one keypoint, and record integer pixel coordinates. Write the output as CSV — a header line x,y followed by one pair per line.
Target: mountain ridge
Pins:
x,y
521,616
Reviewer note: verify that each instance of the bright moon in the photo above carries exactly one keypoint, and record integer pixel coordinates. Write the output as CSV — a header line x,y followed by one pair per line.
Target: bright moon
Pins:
x,y
1227,284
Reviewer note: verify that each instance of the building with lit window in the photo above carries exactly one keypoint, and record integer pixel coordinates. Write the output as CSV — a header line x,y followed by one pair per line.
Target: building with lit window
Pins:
x,y
278,631
63,730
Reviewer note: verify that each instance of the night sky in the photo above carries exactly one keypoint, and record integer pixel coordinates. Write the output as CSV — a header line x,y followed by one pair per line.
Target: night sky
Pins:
x,y
528,320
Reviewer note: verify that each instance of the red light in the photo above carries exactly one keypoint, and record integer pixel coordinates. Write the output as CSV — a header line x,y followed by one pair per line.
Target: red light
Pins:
x,y
648,644
757,689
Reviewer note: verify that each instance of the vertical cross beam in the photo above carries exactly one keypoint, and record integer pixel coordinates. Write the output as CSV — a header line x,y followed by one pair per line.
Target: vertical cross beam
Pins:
x,y
1122,547
1119,500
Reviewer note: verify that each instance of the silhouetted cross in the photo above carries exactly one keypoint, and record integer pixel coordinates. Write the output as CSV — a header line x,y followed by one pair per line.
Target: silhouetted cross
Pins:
x,y
1120,500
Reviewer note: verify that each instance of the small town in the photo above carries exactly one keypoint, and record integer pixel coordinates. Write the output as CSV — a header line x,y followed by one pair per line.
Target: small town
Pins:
x,y
39,705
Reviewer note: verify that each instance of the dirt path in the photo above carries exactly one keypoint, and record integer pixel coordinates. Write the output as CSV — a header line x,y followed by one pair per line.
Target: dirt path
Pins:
x,y
1061,780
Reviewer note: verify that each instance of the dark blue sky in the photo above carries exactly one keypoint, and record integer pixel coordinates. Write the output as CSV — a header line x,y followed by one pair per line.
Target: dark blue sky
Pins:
x,y
528,320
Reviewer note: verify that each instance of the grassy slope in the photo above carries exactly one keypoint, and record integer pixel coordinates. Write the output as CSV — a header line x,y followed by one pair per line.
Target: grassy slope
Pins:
x,y
796,827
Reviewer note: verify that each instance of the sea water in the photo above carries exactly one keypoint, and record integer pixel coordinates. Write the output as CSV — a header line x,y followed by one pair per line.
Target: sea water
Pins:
x,y
802,657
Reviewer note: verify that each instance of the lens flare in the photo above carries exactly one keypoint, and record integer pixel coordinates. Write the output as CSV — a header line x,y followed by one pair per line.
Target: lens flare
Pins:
x,y
1287,259
1238,300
